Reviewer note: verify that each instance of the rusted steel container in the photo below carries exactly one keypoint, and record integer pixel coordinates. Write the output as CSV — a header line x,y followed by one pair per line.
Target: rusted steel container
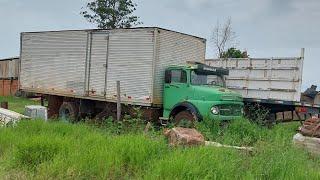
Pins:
x,y
9,73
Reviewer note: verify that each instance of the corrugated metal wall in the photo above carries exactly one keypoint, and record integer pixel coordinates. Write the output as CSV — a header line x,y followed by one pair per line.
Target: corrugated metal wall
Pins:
x,y
54,61
275,78
9,68
175,49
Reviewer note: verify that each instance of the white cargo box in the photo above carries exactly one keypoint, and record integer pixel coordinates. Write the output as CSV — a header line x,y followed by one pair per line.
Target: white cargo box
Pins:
x,y
264,78
87,63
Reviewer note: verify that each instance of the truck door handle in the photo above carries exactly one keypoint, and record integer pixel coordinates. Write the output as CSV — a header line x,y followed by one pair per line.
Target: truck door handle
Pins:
x,y
171,85
174,86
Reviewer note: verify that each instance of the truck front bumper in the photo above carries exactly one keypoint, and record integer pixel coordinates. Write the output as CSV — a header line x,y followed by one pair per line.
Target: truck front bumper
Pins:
x,y
223,118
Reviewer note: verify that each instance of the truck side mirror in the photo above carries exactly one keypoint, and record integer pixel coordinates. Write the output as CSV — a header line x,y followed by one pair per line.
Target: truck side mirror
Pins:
x,y
167,77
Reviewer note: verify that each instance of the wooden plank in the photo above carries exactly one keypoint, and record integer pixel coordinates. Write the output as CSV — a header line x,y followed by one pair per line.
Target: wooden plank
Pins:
x,y
1,87
118,101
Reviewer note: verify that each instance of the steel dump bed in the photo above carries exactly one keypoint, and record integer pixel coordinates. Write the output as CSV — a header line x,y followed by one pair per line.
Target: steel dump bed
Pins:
x,y
273,80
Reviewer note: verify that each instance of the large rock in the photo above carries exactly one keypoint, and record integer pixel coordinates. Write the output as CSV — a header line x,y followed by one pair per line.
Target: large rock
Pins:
x,y
311,144
184,136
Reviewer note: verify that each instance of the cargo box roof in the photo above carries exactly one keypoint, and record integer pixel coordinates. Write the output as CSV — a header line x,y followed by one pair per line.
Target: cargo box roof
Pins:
x,y
118,29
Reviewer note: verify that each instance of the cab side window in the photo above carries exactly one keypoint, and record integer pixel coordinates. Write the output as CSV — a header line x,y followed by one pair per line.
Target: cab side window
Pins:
x,y
176,76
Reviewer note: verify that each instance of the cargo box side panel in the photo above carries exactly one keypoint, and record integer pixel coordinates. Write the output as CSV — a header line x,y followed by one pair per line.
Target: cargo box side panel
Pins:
x,y
98,60
277,79
54,62
130,61
175,49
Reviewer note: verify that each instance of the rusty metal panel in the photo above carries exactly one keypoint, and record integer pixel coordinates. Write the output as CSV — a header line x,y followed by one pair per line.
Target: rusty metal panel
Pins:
x,y
174,49
54,61
130,61
264,78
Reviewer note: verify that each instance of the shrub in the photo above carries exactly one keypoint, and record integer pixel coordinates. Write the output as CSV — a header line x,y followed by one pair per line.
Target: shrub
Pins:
x,y
257,113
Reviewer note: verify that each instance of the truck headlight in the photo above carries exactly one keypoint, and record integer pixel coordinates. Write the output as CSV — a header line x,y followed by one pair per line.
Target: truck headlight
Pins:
x,y
215,110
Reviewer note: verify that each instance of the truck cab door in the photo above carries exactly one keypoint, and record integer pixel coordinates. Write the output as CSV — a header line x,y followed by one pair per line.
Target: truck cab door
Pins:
x,y
176,88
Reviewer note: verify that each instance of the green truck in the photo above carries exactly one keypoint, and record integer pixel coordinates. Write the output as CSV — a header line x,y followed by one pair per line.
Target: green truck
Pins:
x,y
78,71
197,91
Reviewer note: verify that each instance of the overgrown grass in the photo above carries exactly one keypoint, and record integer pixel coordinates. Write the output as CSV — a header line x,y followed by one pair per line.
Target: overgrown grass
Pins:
x,y
39,150
18,104
55,150
238,132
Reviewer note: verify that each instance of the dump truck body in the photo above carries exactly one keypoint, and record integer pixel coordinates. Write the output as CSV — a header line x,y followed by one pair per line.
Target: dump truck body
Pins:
x,y
264,78
273,83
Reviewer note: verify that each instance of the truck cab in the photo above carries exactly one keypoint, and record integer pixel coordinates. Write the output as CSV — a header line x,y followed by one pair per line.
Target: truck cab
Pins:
x,y
195,92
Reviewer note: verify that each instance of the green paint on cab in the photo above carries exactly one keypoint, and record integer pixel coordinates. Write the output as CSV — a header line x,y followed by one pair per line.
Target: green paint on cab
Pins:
x,y
202,88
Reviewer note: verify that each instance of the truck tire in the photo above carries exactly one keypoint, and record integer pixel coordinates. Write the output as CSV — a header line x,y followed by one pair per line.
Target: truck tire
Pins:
x,y
68,112
185,119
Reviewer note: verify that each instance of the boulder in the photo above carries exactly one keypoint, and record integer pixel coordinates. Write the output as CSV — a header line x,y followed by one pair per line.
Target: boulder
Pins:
x,y
311,144
184,137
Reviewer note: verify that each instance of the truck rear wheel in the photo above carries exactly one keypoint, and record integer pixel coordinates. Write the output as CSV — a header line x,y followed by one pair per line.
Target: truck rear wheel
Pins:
x,y
68,112
185,119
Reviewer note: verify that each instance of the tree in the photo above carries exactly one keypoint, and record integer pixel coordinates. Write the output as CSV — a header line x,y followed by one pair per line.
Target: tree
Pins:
x,y
223,36
234,53
111,14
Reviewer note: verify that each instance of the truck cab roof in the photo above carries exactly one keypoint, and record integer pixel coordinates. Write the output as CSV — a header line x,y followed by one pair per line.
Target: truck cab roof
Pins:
x,y
201,68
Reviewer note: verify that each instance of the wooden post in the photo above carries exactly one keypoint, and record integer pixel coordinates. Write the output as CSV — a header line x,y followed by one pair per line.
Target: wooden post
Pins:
x,y
118,101
4,104
42,100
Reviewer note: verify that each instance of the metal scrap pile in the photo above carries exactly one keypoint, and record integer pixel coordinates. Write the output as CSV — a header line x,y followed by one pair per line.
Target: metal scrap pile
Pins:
x,y
311,128
311,95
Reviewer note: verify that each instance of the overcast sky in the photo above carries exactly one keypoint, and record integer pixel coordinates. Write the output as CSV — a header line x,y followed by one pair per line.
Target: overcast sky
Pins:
x,y
265,28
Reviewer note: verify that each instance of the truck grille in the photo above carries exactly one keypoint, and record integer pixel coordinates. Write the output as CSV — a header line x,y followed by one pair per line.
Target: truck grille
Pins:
x,y
230,109
230,98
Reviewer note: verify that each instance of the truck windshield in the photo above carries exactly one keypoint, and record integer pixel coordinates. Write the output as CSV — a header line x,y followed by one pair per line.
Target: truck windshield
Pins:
x,y
204,79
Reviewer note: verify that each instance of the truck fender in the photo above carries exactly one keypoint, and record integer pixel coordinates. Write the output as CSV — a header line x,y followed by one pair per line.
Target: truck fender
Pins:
x,y
183,106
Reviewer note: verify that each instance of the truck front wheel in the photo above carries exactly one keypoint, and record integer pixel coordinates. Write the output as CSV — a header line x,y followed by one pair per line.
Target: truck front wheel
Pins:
x,y
185,119
68,112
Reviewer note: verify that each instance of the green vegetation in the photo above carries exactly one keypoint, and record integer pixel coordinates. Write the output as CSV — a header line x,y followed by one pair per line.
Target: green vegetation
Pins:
x,y
55,150
18,104
234,53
